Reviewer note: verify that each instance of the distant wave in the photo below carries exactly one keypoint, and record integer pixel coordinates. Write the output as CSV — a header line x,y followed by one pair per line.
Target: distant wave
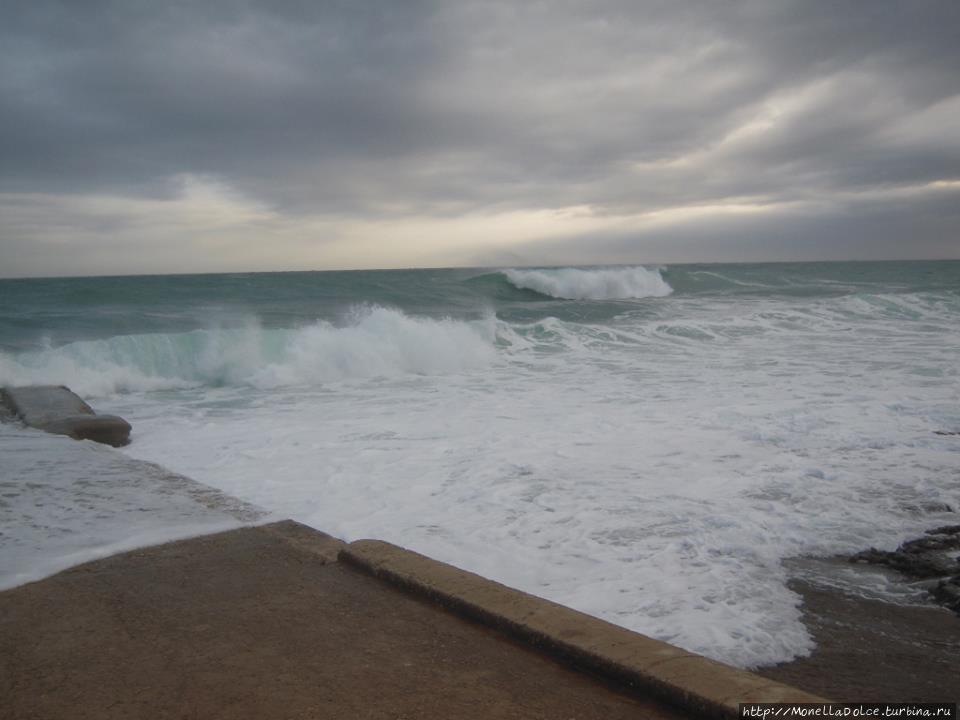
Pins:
x,y
376,342
597,284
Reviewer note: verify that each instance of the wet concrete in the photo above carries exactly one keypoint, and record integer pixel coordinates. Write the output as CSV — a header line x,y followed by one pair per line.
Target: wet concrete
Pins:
x,y
264,622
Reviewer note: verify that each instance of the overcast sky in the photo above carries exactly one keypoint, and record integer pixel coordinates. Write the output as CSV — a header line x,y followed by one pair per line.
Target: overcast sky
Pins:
x,y
153,137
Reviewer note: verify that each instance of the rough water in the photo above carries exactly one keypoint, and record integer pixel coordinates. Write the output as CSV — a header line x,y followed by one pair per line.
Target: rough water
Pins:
x,y
651,445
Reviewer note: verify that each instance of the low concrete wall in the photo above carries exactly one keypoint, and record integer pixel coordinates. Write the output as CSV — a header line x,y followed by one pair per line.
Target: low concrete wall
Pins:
x,y
56,409
687,680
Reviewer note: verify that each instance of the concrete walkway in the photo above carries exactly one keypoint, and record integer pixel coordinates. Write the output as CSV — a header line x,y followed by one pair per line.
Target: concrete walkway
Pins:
x,y
267,622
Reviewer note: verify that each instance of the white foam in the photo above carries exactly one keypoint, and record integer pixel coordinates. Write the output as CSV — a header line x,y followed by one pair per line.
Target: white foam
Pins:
x,y
656,479
64,502
380,342
375,342
598,284
655,471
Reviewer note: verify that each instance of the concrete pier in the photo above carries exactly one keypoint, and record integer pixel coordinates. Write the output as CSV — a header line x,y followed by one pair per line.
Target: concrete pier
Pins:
x,y
56,409
280,620
283,621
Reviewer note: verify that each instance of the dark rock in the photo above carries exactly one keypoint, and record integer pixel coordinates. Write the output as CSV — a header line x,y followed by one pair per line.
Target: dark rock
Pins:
x,y
946,432
927,508
925,558
947,593
945,530
932,543
872,556
916,564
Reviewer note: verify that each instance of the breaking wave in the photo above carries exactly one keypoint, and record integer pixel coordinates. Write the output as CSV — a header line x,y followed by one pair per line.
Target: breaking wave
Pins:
x,y
375,342
598,284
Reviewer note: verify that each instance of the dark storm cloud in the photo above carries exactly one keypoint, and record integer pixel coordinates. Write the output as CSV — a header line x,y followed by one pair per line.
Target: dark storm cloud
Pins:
x,y
114,93
377,108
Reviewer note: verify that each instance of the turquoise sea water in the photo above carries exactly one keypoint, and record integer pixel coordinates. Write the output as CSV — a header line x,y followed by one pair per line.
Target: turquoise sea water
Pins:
x,y
647,444
37,312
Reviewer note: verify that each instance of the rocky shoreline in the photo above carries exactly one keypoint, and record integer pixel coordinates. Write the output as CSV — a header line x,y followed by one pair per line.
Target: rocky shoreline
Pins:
x,y
933,558
873,650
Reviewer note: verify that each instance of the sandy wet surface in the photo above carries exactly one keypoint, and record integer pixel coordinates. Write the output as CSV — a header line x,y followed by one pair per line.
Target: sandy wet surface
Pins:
x,y
873,651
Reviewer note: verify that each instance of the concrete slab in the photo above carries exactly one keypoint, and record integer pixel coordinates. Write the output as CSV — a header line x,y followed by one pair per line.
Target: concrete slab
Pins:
x,y
38,405
264,623
685,679
56,409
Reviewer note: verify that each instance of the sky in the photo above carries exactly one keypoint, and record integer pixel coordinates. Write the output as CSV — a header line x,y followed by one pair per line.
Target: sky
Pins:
x,y
245,135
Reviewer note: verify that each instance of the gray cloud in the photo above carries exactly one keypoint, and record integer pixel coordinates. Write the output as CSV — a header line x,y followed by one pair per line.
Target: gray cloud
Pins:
x,y
380,109
865,229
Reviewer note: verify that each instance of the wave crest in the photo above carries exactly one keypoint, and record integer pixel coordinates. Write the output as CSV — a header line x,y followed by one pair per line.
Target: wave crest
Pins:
x,y
597,284
376,342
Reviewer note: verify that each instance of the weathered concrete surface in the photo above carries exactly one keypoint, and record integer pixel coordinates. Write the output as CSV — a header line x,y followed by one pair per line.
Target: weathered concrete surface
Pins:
x,y
262,623
38,405
107,429
687,680
56,409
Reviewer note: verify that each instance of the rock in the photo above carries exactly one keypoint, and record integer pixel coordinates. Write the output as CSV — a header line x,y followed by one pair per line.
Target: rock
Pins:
x,y
917,564
932,543
927,508
945,530
926,558
947,593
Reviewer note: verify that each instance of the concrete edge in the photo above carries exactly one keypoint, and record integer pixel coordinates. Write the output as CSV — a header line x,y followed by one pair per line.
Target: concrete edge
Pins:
x,y
686,680
305,539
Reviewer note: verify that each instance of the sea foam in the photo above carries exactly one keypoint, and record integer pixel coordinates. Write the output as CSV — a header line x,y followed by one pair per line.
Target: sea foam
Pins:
x,y
372,342
655,464
654,471
67,502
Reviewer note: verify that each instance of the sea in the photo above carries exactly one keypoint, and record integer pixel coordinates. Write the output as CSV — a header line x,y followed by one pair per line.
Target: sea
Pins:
x,y
653,445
